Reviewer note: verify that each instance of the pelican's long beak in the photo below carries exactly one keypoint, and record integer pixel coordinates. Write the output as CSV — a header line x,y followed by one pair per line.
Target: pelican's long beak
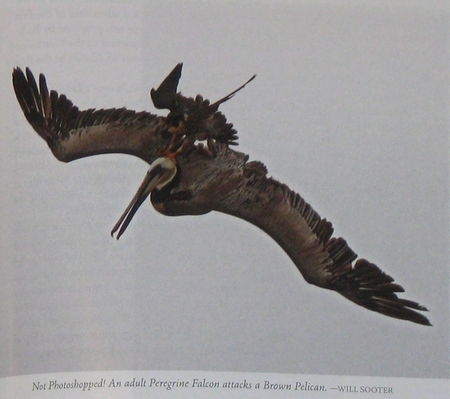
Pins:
x,y
161,172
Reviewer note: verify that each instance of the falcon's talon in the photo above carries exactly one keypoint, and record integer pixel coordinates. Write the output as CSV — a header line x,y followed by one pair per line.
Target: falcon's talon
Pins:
x,y
211,146
205,150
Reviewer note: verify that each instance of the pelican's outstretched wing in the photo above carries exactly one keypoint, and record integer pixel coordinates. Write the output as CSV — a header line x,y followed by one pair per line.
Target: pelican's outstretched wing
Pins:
x,y
307,238
231,185
72,134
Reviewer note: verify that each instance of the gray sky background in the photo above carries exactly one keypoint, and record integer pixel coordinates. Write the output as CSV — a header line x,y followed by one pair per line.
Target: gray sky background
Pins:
x,y
349,108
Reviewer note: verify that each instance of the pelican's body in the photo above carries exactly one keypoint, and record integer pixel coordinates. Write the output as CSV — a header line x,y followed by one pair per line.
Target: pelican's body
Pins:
x,y
189,177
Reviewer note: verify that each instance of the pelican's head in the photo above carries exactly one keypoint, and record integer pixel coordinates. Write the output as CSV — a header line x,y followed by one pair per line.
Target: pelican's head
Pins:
x,y
161,172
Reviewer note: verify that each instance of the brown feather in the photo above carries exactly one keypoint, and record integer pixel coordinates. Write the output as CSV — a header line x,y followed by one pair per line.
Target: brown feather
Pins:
x,y
232,185
73,134
225,182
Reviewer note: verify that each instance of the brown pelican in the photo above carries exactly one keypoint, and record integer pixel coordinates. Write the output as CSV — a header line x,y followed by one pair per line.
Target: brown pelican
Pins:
x,y
194,171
